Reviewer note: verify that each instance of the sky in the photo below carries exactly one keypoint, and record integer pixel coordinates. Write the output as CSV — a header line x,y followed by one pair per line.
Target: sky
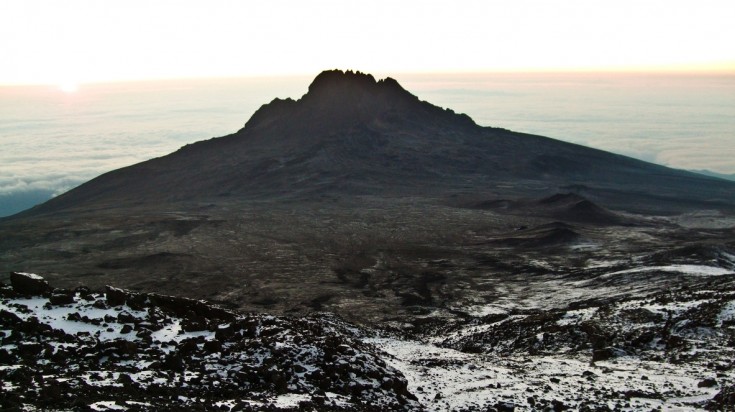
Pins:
x,y
73,42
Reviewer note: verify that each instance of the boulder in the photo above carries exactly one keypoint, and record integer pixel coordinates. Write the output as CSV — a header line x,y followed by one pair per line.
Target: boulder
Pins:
x,y
126,317
29,350
212,346
61,299
28,283
558,405
186,307
115,296
606,353
9,319
173,362
505,407
707,383
724,400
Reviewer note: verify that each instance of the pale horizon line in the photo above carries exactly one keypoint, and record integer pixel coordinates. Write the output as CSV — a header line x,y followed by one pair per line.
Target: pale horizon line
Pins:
x,y
720,70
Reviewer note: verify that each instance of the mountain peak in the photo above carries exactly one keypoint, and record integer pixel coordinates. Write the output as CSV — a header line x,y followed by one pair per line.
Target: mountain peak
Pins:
x,y
336,98
346,79
331,79
348,84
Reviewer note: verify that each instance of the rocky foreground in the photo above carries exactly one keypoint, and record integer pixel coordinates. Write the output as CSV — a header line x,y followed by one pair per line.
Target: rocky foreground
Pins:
x,y
119,350
79,350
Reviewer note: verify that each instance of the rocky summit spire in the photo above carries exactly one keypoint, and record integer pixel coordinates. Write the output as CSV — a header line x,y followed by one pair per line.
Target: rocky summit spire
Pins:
x,y
337,98
338,80
340,83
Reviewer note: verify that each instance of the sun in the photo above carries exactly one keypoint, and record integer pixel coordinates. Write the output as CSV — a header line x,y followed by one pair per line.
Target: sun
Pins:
x,y
69,87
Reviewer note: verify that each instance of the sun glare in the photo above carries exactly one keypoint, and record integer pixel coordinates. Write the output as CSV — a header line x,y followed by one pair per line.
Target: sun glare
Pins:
x,y
68,87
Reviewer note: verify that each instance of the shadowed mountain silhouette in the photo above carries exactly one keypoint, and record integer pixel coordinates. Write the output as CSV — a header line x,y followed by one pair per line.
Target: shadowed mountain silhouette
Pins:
x,y
353,135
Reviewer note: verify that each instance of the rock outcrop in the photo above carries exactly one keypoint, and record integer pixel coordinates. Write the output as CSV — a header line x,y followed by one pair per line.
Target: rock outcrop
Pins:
x,y
28,283
121,349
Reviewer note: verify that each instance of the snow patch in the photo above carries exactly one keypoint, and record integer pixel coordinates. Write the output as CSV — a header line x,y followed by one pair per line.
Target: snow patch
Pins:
x,y
696,270
31,275
107,406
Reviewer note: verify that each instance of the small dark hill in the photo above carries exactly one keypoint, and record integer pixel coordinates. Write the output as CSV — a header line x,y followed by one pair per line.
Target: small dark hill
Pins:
x,y
567,207
574,208
561,199
496,204
554,234
717,255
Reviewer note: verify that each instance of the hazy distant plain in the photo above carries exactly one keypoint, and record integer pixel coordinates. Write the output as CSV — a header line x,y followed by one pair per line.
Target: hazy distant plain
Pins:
x,y
54,140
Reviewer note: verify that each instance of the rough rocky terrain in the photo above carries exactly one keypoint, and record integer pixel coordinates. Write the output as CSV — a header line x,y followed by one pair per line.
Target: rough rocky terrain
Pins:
x,y
120,350
80,350
369,262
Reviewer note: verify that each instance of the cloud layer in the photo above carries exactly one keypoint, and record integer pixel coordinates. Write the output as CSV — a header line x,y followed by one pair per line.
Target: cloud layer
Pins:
x,y
681,121
53,141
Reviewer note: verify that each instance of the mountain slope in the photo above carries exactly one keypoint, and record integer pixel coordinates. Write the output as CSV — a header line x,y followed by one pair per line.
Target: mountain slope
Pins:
x,y
360,199
350,134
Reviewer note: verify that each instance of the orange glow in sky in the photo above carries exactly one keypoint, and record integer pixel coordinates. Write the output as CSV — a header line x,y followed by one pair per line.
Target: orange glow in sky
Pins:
x,y
79,41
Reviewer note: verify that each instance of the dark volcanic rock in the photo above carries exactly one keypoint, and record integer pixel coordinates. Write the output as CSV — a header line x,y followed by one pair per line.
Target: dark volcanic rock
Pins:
x,y
724,400
227,356
28,283
604,354
707,383
61,298
115,296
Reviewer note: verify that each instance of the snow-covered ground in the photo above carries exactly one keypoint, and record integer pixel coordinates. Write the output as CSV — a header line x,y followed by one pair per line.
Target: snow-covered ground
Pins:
x,y
696,270
671,350
151,352
447,379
